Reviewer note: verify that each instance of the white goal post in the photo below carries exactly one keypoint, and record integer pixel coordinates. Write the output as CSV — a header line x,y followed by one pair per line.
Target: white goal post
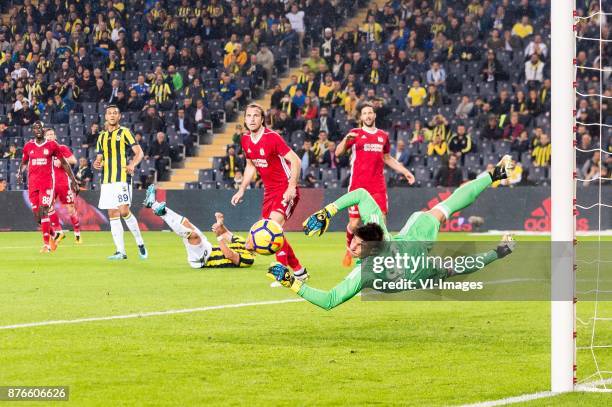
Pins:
x,y
563,349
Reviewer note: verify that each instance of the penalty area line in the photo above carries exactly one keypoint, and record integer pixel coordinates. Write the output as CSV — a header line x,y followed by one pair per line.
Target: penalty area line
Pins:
x,y
147,314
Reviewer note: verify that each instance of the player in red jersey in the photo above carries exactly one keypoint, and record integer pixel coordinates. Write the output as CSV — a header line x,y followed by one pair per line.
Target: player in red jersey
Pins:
x,y
369,153
279,167
63,192
38,157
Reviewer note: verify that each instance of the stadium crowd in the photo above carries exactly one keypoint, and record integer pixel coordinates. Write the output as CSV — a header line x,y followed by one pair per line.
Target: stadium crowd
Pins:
x,y
456,83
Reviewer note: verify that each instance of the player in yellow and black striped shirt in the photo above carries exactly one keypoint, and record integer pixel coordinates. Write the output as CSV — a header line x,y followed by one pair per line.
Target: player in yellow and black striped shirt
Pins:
x,y
232,251
116,189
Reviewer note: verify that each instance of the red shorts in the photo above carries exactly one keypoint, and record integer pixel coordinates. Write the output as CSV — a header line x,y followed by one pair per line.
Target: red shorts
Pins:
x,y
41,195
274,203
64,194
381,200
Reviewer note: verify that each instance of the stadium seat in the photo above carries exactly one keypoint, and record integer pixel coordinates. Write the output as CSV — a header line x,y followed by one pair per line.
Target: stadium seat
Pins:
x,y
206,175
192,185
89,108
329,174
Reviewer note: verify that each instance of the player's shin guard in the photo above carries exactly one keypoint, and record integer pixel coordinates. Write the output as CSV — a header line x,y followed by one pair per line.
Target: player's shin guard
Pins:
x,y
465,195
76,224
175,221
117,232
45,226
132,224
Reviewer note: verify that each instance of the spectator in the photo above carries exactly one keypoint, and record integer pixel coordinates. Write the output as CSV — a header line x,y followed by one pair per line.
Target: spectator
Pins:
x,y
586,143
84,174
237,135
159,150
100,92
460,143
329,159
491,131
436,75
401,153
144,144
134,102
520,145
307,156
315,60
376,74
536,46
321,145
186,128
265,58
12,153
296,19
420,134
502,104
416,94
161,91
437,146
310,181
464,108
326,124
449,175
541,152
141,87
231,163
439,126
534,71
491,69
229,93
523,28
434,98
3,186
200,116
514,128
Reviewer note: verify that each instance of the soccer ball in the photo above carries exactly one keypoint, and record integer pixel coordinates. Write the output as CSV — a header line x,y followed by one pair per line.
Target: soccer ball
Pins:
x,y
267,236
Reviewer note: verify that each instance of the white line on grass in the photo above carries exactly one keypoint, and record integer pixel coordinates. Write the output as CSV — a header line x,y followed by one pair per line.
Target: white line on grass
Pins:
x,y
511,400
594,386
148,314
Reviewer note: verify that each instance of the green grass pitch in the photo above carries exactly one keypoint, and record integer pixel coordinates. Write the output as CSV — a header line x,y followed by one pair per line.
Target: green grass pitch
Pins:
x,y
374,353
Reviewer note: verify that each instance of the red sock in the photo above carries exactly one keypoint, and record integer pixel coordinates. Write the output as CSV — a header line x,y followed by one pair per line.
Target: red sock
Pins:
x,y
349,236
45,225
76,225
287,256
55,222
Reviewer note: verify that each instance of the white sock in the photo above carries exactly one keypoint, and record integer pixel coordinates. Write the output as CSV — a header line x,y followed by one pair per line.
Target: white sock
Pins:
x,y
132,224
174,220
117,232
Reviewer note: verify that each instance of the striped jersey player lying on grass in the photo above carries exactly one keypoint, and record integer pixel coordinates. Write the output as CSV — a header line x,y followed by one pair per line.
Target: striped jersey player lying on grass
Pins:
x,y
232,250
420,227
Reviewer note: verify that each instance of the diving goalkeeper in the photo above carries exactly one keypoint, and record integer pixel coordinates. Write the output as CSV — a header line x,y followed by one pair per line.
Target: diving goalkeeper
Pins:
x,y
421,227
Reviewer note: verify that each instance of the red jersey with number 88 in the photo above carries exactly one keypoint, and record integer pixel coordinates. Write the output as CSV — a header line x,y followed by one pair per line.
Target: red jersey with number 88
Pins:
x,y
40,160
367,152
267,155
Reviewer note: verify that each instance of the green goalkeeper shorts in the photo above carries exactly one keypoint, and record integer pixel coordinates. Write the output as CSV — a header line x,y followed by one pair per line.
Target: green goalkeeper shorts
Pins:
x,y
421,226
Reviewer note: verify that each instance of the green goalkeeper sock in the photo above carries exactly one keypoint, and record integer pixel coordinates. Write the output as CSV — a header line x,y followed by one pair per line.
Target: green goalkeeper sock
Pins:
x,y
465,195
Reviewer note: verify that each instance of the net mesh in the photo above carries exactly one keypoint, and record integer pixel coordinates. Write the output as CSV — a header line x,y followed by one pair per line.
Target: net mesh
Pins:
x,y
593,161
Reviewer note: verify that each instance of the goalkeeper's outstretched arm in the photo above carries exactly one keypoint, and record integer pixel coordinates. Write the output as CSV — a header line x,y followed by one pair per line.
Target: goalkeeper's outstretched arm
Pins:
x,y
368,209
347,289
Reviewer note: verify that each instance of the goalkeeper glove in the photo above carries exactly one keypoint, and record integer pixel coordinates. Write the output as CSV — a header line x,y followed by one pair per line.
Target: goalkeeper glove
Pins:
x,y
506,246
319,221
280,273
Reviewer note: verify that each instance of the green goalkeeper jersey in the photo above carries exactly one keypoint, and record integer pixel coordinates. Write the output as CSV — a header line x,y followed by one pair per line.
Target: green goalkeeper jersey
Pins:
x,y
421,228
